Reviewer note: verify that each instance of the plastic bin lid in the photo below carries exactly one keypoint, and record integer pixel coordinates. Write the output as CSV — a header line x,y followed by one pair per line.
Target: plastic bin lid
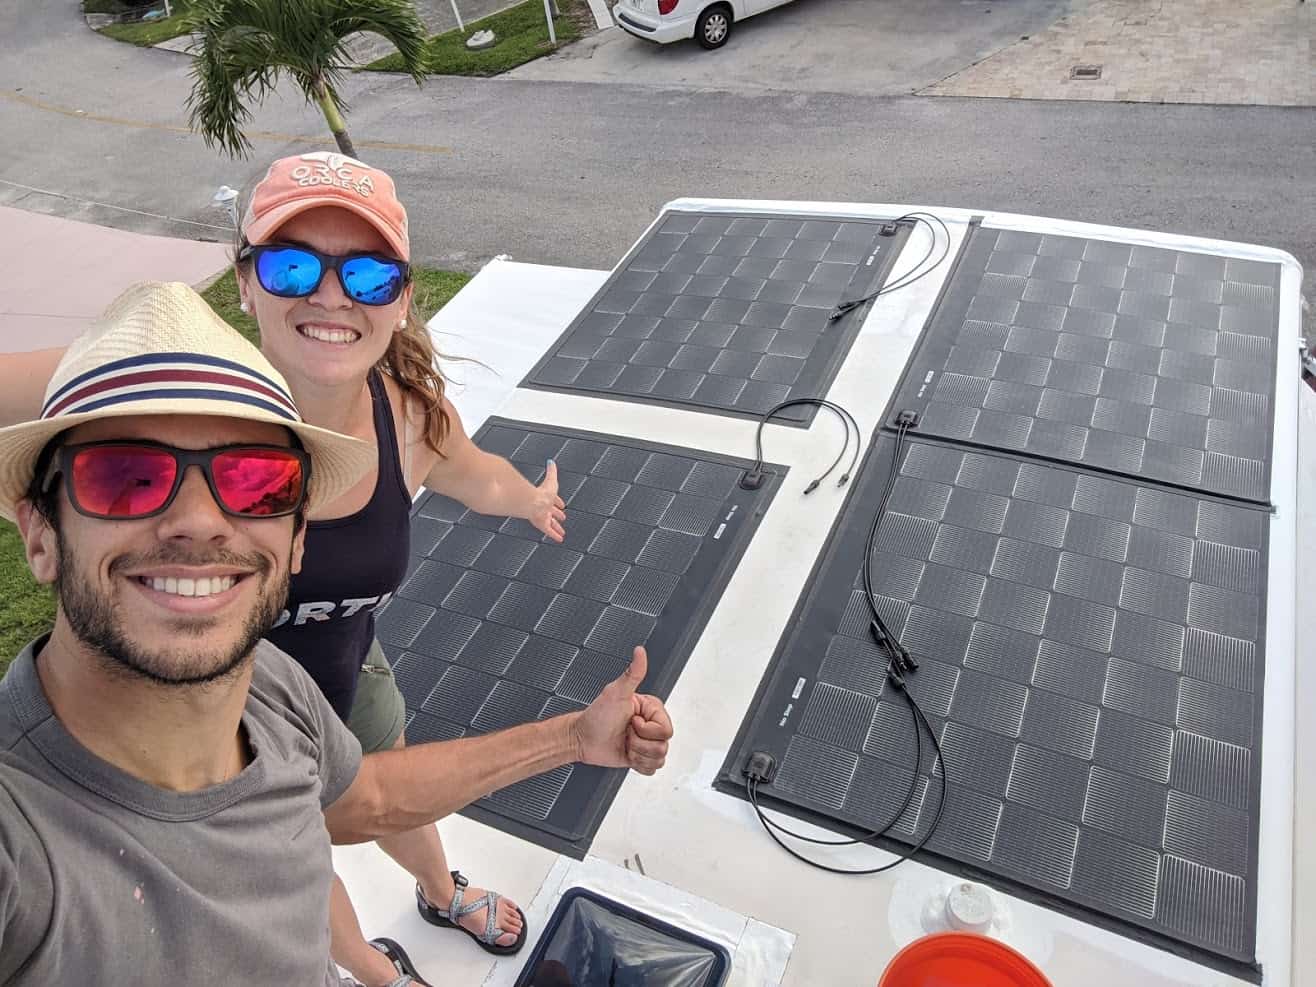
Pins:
x,y
960,959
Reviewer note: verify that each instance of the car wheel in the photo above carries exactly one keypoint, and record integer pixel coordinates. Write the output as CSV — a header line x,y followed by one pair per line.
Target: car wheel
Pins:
x,y
713,27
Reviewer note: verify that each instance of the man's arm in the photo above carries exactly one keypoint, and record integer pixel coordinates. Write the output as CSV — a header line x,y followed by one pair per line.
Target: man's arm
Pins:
x,y
399,790
27,890
402,789
23,380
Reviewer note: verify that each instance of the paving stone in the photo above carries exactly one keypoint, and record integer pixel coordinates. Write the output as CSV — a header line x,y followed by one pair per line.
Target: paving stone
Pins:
x,y
1176,51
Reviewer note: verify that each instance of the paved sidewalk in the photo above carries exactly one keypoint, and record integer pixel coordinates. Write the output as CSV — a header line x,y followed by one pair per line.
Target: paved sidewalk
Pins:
x,y
438,17
60,274
813,46
1172,51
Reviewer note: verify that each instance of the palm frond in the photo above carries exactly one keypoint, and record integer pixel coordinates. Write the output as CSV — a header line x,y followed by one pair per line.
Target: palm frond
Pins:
x,y
247,45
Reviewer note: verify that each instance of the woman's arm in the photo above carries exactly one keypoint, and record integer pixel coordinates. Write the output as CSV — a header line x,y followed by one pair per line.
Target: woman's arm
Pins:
x,y
23,380
487,483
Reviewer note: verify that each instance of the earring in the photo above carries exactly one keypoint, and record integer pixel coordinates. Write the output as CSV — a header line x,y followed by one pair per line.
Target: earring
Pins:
x,y
245,307
402,323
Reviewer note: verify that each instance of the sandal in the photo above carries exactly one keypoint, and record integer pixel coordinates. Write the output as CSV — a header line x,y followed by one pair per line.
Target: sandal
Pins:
x,y
447,918
407,973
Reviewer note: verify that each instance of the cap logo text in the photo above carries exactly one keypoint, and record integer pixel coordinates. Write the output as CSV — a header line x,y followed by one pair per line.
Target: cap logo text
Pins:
x,y
337,170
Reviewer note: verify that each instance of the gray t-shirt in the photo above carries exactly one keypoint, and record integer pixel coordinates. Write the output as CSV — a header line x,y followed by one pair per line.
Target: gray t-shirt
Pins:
x,y
105,879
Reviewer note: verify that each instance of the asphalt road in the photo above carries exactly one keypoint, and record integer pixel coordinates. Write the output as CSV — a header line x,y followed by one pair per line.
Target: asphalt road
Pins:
x,y
863,47
572,173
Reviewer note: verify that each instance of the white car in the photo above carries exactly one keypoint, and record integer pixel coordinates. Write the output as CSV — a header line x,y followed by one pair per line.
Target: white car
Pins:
x,y
707,21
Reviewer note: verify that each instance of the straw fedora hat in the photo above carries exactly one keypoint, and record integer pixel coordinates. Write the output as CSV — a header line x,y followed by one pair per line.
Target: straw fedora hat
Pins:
x,y
159,349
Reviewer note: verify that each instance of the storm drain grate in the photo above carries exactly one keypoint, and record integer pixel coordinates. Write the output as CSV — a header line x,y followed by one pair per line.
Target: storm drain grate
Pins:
x,y
1086,73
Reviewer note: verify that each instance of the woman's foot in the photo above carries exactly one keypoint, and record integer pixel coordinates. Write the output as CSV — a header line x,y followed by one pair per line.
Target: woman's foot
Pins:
x,y
508,921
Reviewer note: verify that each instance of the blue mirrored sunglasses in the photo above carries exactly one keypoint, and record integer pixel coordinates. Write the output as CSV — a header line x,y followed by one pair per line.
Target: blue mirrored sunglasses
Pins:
x,y
291,271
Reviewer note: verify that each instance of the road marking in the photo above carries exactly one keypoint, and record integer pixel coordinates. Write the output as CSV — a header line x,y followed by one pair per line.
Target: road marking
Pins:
x,y
269,135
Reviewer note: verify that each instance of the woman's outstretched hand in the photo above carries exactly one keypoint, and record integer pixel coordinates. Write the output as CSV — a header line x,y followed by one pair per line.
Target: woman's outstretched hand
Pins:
x,y
546,510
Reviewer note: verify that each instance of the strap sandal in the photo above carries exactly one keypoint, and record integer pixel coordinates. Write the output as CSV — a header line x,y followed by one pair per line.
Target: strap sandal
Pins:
x,y
408,976
447,918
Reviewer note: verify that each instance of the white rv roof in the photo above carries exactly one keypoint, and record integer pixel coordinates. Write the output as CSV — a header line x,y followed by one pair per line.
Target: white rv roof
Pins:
x,y
674,846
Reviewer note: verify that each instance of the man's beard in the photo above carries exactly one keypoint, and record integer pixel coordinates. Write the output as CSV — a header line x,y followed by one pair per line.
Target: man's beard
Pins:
x,y
95,619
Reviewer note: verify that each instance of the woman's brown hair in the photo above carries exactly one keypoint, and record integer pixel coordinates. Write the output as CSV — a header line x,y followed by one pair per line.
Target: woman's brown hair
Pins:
x,y
411,358
413,362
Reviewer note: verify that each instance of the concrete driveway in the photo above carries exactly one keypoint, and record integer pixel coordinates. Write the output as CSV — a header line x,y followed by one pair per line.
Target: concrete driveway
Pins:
x,y
868,47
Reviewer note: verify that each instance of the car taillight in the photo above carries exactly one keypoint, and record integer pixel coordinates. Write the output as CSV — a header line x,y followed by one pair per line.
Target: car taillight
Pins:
x,y
667,6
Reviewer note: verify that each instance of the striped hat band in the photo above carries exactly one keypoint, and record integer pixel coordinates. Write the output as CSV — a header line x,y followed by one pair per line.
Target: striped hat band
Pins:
x,y
160,350
177,376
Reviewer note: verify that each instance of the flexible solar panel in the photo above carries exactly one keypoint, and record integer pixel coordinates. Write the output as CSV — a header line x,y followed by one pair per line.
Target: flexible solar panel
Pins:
x,y
1136,360
728,313
496,626
1091,658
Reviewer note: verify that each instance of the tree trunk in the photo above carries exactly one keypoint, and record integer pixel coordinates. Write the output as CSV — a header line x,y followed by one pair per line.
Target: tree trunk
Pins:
x,y
337,126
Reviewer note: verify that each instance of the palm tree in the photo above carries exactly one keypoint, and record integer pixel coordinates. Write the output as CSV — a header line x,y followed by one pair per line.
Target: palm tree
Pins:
x,y
246,45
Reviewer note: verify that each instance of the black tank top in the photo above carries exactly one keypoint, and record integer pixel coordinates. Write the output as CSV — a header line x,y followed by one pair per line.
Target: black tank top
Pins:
x,y
351,567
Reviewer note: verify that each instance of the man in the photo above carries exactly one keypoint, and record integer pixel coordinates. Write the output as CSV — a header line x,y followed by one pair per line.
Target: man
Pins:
x,y
169,782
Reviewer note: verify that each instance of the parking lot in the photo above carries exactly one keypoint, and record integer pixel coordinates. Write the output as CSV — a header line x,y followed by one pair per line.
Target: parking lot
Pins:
x,y
870,47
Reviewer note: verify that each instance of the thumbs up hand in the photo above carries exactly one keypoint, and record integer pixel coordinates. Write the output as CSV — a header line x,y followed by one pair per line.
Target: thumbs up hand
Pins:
x,y
623,728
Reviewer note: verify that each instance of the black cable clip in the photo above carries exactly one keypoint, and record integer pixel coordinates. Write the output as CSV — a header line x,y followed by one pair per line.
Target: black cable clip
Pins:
x,y
762,768
752,480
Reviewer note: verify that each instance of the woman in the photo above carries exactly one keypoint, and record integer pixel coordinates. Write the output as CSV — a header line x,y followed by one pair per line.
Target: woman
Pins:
x,y
322,264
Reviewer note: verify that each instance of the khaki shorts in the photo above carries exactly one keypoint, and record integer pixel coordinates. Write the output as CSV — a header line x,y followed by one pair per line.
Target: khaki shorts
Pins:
x,y
378,711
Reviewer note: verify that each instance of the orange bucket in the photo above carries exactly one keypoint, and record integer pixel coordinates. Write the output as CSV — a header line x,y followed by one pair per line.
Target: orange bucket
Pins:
x,y
960,959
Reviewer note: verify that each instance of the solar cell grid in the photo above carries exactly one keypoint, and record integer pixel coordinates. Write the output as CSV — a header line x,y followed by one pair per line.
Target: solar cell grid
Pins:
x,y
729,314
497,626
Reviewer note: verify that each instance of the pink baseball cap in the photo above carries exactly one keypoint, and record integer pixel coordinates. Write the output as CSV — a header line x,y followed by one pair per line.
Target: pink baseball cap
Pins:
x,y
324,178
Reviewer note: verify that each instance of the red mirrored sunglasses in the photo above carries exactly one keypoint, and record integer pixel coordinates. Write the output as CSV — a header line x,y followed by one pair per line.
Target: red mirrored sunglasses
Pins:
x,y
121,481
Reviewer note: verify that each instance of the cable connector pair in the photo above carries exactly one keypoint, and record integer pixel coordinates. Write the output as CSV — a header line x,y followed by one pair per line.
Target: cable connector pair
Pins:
x,y
899,653
844,308
845,478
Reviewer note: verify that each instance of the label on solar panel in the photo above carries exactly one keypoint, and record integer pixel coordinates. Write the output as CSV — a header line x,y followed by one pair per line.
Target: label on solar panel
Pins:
x,y
497,626
1142,361
1091,658
726,312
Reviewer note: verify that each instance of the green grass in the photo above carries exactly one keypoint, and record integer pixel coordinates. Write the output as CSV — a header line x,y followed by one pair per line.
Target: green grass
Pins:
x,y
433,290
27,609
144,33
223,298
522,37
